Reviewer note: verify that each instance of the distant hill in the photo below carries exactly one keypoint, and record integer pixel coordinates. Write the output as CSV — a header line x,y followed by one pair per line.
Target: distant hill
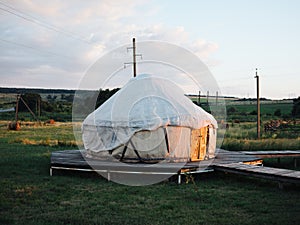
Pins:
x,y
44,91
6,90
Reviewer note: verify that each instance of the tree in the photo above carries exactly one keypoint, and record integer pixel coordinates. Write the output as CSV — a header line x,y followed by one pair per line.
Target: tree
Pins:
x,y
31,99
296,107
69,98
51,98
48,107
231,110
277,112
104,95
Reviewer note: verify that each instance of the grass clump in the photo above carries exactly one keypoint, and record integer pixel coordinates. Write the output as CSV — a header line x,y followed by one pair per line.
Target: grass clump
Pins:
x,y
264,144
243,137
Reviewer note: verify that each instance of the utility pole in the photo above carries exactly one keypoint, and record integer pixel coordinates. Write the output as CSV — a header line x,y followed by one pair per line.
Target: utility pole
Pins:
x,y
134,59
39,107
17,108
199,96
217,96
134,55
207,97
258,104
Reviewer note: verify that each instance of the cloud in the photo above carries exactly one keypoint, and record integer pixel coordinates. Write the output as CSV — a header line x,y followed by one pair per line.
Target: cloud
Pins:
x,y
60,39
160,32
40,75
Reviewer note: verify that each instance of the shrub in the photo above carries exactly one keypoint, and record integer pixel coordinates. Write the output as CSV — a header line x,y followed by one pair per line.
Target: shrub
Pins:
x,y
277,112
296,107
231,110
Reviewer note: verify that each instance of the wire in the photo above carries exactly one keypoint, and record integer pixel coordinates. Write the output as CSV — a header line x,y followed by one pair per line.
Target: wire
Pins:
x,y
36,21
36,49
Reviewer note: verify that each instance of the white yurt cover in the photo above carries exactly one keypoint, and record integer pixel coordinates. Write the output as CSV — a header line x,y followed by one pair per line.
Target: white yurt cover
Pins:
x,y
145,103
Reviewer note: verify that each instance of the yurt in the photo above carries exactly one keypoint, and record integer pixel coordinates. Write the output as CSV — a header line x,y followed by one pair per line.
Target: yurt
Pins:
x,y
150,119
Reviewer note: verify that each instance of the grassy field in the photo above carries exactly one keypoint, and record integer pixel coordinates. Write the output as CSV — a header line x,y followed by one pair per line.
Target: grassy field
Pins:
x,y
32,133
28,195
243,137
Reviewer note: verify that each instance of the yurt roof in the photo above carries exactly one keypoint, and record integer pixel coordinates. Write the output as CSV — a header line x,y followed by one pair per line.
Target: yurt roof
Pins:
x,y
148,102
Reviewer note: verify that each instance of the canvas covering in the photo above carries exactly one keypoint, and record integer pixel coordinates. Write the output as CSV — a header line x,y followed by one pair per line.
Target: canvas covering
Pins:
x,y
138,112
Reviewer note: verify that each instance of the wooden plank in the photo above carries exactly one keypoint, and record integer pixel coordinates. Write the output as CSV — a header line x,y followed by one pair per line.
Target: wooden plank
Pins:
x,y
276,174
67,161
70,156
225,161
292,174
274,154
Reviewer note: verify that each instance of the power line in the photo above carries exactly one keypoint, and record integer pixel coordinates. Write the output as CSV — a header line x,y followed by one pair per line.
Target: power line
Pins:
x,y
36,49
236,79
37,21
50,27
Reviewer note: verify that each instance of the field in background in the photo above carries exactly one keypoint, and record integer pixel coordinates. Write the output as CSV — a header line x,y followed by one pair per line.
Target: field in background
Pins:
x,y
59,134
60,101
279,129
243,137
239,125
238,137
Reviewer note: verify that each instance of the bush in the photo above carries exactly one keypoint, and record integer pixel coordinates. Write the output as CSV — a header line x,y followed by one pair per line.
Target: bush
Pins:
x,y
31,100
277,112
296,107
231,110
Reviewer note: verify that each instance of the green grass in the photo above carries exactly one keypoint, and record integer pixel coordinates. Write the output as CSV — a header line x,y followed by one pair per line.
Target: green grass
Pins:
x,y
59,134
285,163
260,145
243,137
246,112
286,108
28,195
26,116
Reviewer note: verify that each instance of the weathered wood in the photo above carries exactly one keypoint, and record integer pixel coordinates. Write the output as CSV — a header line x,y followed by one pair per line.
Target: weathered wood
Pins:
x,y
75,159
273,154
232,162
275,174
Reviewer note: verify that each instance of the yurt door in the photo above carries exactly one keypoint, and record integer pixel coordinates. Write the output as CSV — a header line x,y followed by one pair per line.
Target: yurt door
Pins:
x,y
198,144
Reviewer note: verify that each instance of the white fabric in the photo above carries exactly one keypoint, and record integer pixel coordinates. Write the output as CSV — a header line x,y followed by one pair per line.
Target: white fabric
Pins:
x,y
144,103
212,141
152,144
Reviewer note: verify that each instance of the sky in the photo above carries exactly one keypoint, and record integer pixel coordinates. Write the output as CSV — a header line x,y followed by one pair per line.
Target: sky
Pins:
x,y
52,44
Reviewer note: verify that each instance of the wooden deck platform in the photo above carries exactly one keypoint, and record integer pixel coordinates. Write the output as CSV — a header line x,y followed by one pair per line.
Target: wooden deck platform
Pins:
x,y
74,160
227,161
273,154
275,174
